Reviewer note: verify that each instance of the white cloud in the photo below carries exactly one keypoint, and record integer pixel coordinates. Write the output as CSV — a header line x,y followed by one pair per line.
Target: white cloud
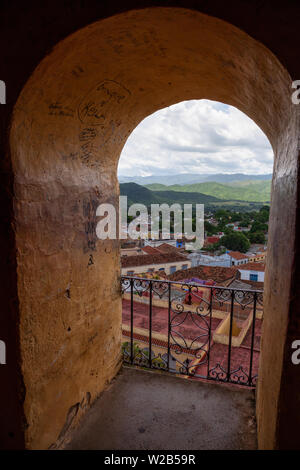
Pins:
x,y
196,137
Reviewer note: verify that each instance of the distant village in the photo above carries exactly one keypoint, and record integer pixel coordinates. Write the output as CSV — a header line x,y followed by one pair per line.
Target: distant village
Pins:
x,y
233,254
232,259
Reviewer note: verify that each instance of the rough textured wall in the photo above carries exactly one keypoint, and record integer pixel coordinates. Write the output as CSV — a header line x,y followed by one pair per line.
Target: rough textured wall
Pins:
x,y
276,347
65,155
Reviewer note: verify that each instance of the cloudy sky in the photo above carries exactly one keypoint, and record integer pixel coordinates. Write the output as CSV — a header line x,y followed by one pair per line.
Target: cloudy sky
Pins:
x,y
199,136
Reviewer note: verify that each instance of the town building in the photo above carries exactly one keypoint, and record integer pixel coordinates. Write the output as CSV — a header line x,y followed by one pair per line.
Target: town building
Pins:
x,y
211,241
131,251
252,272
221,276
156,243
237,258
258,257
149,263
209,260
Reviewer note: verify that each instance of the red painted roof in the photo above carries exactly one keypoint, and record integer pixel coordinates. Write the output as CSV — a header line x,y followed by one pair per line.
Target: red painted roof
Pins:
x,y
253,266
211,240
166,248
218,274
149,250
237,255
157,258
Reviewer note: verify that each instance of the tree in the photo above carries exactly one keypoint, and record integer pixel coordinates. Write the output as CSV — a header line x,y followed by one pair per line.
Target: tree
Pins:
x,y
235,217
257,237
263,214
227,230
222,216
236,241
213,247
208,227
259,227
244,223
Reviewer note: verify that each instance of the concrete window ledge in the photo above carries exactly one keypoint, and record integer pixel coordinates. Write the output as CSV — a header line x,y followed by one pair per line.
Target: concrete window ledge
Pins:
x,y
150,410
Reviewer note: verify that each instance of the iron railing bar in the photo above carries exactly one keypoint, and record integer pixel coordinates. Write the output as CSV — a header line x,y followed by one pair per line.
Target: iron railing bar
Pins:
x,y
169,326
230,336
189,287
150,325
209,332
252,338
131,321
180,283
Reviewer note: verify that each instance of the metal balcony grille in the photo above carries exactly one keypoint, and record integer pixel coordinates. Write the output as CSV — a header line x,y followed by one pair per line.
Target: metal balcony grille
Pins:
x,y
199,331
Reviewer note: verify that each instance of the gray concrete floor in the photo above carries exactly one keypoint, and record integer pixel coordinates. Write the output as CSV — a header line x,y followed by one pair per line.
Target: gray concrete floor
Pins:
x,y
153,411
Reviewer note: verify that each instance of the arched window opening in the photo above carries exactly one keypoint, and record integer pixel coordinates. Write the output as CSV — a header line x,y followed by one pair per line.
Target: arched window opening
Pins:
x,y
208,324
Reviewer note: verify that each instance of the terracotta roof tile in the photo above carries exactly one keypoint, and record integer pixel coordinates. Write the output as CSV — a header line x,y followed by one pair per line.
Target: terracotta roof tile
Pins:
x,y
237,255
211,240
144,260
253,266
215,273
149,250
256,285
166,248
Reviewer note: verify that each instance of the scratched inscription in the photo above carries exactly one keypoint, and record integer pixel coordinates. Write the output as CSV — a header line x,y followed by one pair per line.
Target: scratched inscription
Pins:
x,y
87,134
89,213
92,109
99,119
58,109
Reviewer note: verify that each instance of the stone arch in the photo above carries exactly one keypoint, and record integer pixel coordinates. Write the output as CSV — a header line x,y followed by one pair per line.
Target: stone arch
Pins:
x,y
69,125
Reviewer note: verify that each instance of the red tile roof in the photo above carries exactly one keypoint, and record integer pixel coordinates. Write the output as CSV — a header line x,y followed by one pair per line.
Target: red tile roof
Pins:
x,y
237,255
149,250
256,285
144,260
211,240
246,284
166,248
253,266
215,273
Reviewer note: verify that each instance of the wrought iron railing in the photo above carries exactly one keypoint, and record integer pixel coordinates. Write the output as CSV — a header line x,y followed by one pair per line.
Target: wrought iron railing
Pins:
x,y
199,331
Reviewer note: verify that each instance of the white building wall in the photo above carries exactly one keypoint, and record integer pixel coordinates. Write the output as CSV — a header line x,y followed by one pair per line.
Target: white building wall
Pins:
x,y
205,260
245,275
238,262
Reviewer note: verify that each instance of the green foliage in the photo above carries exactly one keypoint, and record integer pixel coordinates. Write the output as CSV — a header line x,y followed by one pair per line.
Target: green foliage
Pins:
x,y
140,194
223,215
236,241
126,348
227,230
208,227
235,217
258,227
244,223
231,209
213,247
257,237
256,191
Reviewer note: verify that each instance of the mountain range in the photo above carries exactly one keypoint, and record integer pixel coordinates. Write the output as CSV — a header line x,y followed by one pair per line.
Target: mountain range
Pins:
x,y
192,178
140,194
250,191
236,191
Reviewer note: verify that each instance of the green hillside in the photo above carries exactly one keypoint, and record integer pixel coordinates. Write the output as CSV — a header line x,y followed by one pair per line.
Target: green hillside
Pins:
x,y
140,194
250,191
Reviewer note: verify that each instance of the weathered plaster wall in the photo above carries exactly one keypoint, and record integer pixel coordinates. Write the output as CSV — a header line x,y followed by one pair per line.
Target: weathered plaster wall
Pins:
x,y
65,153
278,293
